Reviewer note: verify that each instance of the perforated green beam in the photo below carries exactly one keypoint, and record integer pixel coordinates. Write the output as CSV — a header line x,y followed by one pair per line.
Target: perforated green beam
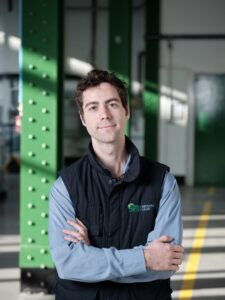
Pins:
x,y
151,87
120,42
41,139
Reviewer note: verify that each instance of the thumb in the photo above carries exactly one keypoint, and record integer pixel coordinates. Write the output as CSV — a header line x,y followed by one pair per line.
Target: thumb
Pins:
x,y
165,239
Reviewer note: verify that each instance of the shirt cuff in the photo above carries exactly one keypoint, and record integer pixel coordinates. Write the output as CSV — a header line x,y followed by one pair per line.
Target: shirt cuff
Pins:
x,y
134,261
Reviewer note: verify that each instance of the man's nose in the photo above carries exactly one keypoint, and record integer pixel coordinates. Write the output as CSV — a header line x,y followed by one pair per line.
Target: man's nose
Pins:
x,y
104,113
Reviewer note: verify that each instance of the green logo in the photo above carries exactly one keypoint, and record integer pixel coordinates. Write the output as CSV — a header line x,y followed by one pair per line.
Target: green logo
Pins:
x,y
133,208
139,208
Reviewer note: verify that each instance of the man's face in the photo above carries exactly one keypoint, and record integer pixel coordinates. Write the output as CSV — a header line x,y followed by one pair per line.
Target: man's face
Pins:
x,y
103,113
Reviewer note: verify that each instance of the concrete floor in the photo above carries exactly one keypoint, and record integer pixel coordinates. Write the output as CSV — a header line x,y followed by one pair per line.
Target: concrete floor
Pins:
x,y
210,277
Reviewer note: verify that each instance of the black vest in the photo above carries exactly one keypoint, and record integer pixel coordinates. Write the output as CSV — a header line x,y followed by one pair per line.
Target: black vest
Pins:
x,y
118,212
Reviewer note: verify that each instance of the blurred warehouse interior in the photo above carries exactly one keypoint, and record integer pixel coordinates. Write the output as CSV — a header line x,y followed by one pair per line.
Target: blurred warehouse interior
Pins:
x,y
190,69
171,54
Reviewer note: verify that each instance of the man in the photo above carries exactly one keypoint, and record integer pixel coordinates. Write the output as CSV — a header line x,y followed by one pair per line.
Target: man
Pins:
x,y
114,219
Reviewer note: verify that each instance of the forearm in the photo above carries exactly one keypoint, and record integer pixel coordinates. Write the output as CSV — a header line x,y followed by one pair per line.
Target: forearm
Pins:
x,y
147,276
89,264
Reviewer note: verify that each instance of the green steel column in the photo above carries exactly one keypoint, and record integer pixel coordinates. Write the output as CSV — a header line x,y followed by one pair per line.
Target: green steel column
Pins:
x,y
41,139
120,42
151,89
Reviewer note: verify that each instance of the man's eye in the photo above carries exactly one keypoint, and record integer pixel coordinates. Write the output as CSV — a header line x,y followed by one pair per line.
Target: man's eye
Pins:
x,y
92,108
113,104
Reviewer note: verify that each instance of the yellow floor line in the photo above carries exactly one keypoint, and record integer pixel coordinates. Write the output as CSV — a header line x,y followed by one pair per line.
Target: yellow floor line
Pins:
x,y
211,190
194,257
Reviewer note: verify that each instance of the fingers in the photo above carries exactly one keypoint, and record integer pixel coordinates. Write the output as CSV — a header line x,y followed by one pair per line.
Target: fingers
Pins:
x,y
165,239
76,234
80,223
177,261
81,232
174,268
70,239
178,255
177,248
77,224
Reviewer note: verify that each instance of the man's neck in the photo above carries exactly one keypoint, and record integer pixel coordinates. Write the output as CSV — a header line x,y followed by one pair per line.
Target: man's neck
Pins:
x,y
112,155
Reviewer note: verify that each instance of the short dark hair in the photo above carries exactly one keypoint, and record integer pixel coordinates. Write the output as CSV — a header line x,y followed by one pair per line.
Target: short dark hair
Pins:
x,y
95,78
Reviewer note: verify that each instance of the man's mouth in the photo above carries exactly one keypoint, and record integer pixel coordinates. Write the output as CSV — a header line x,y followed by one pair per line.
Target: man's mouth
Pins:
x,y
106,126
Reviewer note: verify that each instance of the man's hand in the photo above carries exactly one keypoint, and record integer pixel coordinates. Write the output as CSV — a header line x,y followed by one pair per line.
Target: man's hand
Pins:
x,y
161,256
75,236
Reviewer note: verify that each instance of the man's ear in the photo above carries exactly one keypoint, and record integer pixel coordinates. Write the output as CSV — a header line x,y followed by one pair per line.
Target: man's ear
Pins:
x,y
82,120
128,112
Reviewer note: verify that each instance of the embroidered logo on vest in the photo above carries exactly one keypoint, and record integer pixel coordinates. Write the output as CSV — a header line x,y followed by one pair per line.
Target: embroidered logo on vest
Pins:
x,y
139,208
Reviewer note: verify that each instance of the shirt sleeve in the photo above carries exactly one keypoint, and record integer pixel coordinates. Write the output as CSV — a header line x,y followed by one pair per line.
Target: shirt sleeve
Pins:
x,y
79,262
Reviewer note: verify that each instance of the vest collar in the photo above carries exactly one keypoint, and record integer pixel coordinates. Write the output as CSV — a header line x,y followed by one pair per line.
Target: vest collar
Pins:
x,y
134,166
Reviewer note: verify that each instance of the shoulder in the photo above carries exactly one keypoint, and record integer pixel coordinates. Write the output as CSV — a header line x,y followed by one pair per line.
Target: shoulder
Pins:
x,y
58,187
170,182
153,164
154,170
170,189
74,167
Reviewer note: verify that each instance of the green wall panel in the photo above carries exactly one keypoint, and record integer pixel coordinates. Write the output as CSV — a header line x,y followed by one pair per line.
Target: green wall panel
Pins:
x,y
151,88
210,130
120,42
41,137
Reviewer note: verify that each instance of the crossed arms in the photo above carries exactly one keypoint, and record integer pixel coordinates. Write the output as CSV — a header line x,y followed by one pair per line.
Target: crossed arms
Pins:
x,y
76,259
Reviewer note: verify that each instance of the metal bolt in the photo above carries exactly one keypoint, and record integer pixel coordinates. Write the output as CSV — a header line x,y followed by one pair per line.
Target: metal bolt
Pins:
x,y
43,251
118,39
44,75
30,223
31,101
44,163
31,84
44,110
42,266
43,197
44,22
30,171
30,205
44,180
44,93
44,128
44,40
30,154
31,137
43,215
29,274
30,188
44,145
29,257
42,284
30,240
43,232
44,57
31,119
31,67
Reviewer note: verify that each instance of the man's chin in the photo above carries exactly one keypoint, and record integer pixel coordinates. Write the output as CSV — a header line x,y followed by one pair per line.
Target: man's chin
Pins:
x,y
106,139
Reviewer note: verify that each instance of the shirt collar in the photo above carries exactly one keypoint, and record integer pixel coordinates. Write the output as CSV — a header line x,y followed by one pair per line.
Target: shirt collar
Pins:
x,y
131,169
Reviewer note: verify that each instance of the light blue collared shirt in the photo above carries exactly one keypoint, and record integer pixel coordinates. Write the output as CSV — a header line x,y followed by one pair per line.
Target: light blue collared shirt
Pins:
x,y
79,262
